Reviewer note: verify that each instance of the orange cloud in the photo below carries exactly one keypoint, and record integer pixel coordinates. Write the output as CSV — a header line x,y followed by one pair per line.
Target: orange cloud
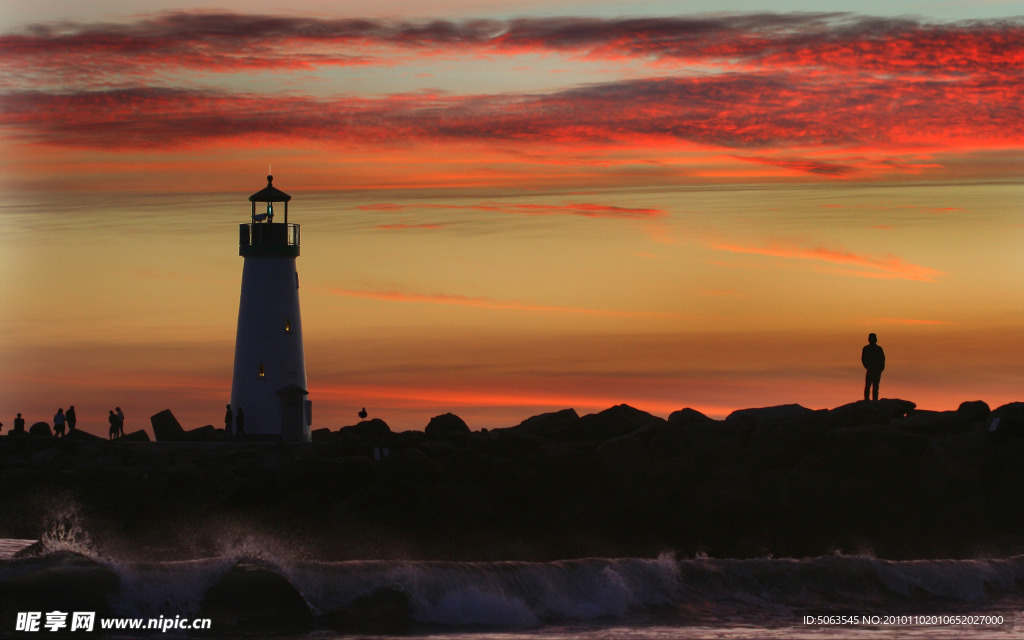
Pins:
x,y
878,267
585,209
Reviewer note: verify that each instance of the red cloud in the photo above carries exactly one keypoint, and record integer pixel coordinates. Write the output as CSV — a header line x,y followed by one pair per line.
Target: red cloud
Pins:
x,y
792,87
225,41
725,111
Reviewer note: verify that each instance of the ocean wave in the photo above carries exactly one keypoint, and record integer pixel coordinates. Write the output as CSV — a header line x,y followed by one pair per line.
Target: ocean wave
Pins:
x,y
528,594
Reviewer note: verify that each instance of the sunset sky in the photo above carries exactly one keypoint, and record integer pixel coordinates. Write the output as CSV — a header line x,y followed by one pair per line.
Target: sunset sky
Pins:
x,y
509,208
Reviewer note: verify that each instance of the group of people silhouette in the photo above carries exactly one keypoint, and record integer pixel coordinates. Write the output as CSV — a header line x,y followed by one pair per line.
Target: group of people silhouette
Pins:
x,y
116,421
237,419
65,423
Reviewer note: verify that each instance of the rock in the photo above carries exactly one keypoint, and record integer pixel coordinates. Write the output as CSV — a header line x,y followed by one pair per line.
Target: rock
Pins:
x,y
209,433
320,435
785,413
549,425
83,436
166,427
135,436
974,411
446,426
376,431
933,422
687,416
611,423
865,412
40,429
254,596
1007,422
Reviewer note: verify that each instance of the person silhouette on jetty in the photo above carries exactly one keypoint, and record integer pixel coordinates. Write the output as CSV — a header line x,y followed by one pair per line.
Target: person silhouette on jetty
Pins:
x,y
19,424
239,425
70,418
873,359
229,419
58,423
115,428
120,421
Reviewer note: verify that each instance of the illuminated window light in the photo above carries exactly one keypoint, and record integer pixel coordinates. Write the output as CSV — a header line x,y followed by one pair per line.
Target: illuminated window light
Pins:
x,y
287,325
262,372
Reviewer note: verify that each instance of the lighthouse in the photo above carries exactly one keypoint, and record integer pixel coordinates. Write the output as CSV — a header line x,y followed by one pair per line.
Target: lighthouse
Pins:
x,y
269,381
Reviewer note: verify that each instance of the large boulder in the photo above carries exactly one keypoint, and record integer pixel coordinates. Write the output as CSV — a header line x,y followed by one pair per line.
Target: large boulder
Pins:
x,y
166,427
549,425
865,412
209,433
781,414
40,429
83,436
974,411
320,435
1007,421
446,426
374,431
614,422
687,416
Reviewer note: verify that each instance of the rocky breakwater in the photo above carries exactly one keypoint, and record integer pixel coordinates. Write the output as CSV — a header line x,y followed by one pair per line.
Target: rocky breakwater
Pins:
x,y
881,477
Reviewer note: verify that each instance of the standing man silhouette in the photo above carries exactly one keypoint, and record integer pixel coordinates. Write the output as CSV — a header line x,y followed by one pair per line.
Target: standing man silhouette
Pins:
x,y
873,359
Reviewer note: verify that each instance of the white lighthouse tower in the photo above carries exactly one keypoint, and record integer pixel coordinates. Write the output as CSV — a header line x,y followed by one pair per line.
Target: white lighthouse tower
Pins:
x,y
269,382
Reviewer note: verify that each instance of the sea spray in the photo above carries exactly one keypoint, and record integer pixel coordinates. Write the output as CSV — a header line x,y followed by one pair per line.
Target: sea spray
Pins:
x,y
150,589
64,532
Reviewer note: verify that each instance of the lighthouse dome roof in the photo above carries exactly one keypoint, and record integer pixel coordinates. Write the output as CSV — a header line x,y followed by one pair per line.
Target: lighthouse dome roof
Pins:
x,y
270,193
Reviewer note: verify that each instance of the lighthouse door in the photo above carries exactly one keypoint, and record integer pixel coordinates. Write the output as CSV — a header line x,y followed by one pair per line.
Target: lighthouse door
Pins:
x,y
292,413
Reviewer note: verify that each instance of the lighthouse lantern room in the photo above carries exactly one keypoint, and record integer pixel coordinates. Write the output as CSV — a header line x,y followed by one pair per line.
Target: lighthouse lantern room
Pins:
x,y
269,381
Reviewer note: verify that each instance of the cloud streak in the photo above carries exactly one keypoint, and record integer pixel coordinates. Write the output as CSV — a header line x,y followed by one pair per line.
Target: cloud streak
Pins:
x,y
220,41
885,267
585,209
476,302
731,111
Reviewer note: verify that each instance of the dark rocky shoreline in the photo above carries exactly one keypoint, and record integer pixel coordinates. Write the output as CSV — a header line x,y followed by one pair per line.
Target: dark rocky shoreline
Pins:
x,y
870,477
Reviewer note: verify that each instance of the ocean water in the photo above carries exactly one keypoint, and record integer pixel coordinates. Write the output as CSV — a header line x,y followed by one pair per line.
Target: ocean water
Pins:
x,y
581,599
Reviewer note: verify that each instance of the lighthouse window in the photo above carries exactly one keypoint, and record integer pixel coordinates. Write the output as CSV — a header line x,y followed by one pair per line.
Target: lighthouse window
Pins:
x,y
287,325
262,373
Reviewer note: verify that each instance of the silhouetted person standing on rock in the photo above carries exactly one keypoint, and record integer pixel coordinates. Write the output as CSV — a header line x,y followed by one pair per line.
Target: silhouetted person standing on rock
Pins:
x,y
229,419
873,359
58,424
115,428
70,418
120,421
19,424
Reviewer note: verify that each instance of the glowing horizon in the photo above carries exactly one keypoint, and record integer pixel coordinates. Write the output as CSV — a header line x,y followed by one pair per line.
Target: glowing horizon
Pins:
x,y
510,214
